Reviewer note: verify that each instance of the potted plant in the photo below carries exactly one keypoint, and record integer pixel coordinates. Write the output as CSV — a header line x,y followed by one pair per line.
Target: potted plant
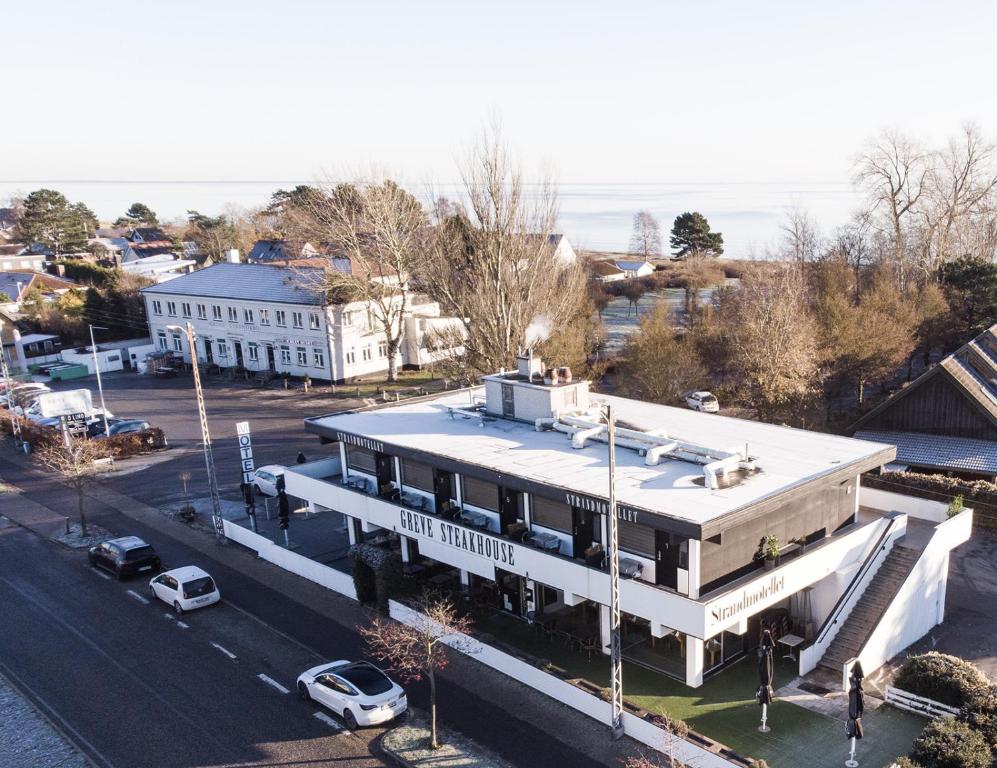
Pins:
x,y
768,551
801,543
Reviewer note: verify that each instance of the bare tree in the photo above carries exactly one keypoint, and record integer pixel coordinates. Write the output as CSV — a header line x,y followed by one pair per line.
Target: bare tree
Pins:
x,y
800,235
772,338
379,231
659,365
895,173
419,649
493,263
646,238
962,189
74,464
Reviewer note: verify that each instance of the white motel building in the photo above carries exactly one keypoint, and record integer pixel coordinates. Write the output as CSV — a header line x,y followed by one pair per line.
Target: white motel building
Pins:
x,y
504,488
264,318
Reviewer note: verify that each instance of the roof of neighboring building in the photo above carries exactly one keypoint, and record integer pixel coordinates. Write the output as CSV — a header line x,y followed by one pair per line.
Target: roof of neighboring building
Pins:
x,y
13,249
28,279
633,266
144,251
248,282
605,268
972,368
8,217
148,235
32,338
787,458
938,452
268,250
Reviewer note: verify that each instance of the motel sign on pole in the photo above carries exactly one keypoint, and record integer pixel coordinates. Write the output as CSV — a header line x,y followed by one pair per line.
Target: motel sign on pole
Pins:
x,y
245,451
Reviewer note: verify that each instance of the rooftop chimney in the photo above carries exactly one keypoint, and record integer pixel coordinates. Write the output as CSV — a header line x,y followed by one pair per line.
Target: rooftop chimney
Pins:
x,y
528,365
232,255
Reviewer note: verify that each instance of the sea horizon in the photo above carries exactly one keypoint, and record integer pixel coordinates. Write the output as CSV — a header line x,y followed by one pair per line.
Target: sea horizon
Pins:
x,y
594,215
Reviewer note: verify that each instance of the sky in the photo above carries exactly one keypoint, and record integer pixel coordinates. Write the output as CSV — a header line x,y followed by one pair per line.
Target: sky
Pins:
x,y
623,92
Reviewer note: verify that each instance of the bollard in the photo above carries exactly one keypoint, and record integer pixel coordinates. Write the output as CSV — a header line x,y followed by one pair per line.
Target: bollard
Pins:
x,y
67,526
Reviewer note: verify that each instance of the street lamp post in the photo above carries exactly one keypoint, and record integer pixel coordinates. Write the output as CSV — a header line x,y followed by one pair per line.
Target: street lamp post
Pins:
x,y
100,386
616,654
209,459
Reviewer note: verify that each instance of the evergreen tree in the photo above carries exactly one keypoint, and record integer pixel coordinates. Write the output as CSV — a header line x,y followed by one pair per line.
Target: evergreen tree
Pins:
x,y
970,284
50,219
138,215
691,234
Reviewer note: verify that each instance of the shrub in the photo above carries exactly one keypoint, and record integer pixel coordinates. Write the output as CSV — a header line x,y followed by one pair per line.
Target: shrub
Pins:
x,y
946,679
980,714
364,581
906,762
955,506
948,743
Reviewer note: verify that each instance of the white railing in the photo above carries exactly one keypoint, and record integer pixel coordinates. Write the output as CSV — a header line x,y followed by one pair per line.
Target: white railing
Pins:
x,y
649,734
893,528
918,704
303,566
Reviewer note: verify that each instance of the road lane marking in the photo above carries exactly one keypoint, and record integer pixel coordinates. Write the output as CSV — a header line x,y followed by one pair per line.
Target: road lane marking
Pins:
x,y
329,721
137,596
100,573
274,683
227,652
182,624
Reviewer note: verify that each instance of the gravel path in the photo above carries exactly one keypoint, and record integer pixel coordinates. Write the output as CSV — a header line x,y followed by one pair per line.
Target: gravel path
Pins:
x,y
27,740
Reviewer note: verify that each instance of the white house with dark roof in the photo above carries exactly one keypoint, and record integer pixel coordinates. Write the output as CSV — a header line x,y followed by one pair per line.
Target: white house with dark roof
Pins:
x,y
504,489
638,268
267,318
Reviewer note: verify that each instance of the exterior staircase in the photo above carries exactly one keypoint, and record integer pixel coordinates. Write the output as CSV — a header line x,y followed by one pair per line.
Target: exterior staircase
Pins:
x,y
870,607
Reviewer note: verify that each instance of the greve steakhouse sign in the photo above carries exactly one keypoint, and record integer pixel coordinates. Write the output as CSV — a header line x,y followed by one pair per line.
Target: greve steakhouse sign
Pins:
x,y
458,537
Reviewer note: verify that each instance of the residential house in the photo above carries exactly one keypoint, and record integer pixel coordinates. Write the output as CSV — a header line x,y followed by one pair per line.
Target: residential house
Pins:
x,y
11,346
149,252
635,268
267,318
21,256
945,421
17,284
606,272
279,252
504,490
8,222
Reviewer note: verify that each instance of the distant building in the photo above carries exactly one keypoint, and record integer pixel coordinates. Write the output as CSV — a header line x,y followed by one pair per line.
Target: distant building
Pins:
x,y
264,318
279,252
946,419
606,272
17,284
635,268
21,256
8,221
11,346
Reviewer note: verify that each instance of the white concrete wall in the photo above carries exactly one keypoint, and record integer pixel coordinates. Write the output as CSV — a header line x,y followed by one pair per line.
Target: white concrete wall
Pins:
x,y
108,359
920,603
922,509
689,754
309,569
812,654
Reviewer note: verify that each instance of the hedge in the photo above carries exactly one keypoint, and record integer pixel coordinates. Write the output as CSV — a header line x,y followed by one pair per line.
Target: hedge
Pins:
x,y
979,494
947,743
118,446
946,679
980,714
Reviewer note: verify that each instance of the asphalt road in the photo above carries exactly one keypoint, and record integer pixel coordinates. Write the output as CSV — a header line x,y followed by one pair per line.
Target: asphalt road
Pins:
x,y
275,417
495,725
133,685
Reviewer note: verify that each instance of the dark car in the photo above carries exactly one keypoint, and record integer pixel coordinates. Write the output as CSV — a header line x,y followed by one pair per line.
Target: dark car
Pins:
x,y
128,426
127,556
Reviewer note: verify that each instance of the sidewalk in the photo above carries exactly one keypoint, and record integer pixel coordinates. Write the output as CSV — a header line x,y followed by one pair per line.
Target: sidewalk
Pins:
x,y
557,721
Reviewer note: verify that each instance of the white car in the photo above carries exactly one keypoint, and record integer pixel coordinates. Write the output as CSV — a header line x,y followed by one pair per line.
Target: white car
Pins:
x,y
356,690
702,401
185,588
22,395
265,479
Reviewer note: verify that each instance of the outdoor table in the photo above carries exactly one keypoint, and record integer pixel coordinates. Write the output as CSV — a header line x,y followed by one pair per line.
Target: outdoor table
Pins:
x,y
413,499
474,519
791,642
545,541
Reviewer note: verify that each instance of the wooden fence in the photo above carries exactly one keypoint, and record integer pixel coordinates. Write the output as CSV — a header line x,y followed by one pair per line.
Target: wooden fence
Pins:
x,y
918,704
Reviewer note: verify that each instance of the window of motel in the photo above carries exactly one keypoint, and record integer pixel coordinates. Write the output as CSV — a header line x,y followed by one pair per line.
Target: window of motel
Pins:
x,y
479,493
550,514
361,459
417,475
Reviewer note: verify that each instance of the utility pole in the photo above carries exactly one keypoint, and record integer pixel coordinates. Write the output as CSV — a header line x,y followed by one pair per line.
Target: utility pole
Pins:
x,y
616,652
100,386
15,425
209,459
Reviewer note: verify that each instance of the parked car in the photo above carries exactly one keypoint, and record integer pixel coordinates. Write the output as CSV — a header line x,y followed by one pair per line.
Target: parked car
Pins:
x,y
126,556
185,588
95,425
702,401
357,691
127,426
265,479
21,395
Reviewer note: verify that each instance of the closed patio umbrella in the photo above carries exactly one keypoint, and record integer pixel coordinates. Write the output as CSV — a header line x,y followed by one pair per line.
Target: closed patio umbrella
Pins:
x,y
766,672
283,509
856,706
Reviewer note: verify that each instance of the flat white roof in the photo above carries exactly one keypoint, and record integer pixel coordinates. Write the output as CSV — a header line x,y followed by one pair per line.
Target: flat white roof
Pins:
x,y
786,457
